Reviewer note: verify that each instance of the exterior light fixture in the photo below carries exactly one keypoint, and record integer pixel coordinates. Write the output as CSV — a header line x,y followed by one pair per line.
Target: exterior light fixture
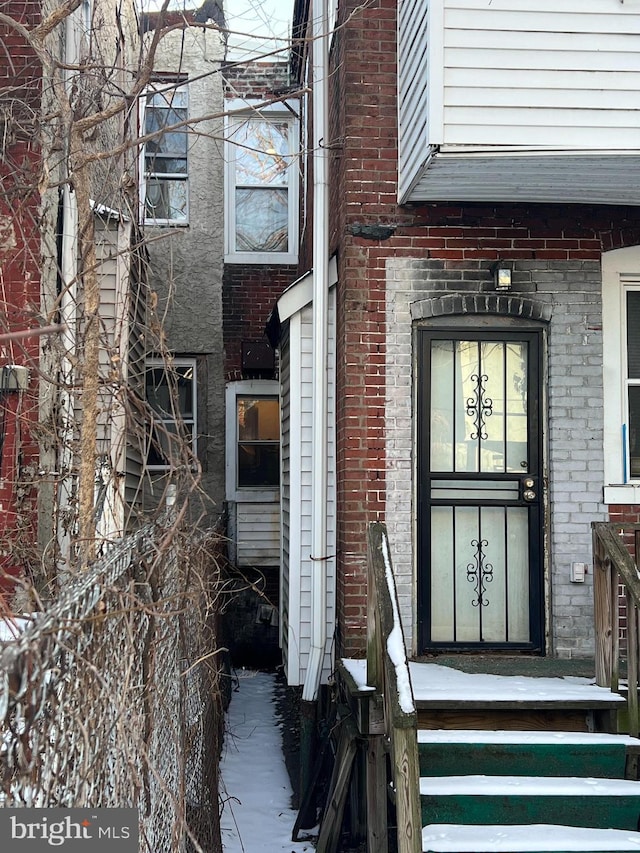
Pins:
x,y
501,271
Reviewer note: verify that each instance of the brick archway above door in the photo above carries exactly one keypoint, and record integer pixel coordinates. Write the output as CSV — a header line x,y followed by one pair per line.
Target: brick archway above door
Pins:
x,y
504,305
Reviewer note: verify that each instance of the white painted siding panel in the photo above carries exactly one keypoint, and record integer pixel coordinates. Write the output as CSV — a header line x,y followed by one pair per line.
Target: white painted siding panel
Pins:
x,y
413,37
298,568
258,534
565,41
285,492
556,75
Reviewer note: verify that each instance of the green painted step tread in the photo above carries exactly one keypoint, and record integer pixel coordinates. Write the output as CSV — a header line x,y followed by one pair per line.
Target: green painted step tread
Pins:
x,y
537,786
526,838
482,736
596,802
525,753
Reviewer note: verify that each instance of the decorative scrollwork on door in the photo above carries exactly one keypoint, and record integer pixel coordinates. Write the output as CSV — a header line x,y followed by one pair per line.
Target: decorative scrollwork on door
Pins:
x,y
480,573
479,407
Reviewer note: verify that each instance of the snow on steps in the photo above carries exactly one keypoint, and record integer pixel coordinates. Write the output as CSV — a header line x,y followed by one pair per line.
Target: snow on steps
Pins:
x,y
536,838
445,752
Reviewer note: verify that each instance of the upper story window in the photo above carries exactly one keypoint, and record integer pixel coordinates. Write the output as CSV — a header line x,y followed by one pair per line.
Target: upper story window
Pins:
x,y
632,396
171,395
262,187
164,166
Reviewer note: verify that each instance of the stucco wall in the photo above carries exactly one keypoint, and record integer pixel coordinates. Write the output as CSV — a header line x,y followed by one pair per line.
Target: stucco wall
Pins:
x,y
186,261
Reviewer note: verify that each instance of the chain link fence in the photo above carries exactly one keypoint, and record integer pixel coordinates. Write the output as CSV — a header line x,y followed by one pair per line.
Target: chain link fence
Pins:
x,y
111,696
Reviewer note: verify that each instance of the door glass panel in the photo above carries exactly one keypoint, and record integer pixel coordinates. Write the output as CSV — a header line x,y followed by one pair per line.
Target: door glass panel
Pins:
x,y
479,406
442,587
466,538
516,401
493,602
518,582
442,411
492,431
469,413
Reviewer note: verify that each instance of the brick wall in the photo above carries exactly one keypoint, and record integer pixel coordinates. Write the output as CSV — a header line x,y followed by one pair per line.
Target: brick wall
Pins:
x,y
20,85
261,81
249,292
557,250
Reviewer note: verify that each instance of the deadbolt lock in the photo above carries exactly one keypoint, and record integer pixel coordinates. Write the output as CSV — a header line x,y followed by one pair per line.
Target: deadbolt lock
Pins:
x,y
528,483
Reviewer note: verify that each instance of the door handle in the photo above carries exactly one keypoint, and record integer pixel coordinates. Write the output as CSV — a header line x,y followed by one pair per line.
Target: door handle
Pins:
x,y
528,493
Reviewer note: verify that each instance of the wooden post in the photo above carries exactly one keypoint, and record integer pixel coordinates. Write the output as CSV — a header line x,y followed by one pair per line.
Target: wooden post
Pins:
x,y
632,664
602,613
377,841
407,777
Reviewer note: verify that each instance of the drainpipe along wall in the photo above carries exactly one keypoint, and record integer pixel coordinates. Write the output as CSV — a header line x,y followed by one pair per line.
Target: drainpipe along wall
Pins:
x,y
319,556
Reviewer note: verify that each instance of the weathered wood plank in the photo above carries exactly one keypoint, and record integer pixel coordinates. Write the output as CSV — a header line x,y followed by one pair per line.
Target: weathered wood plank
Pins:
x,y
331,825
388,672
632,663
544,720
377,840
602,613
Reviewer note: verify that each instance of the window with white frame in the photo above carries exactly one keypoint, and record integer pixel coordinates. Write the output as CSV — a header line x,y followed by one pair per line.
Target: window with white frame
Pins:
x,y
262,186
258,432
164,155
253,441
632,379
171,396
621,374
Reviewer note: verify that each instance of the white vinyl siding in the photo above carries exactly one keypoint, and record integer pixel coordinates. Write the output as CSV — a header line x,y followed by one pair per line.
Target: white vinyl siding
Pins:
x,y
122,317
512,77
566,76
412,88
258,534
297,394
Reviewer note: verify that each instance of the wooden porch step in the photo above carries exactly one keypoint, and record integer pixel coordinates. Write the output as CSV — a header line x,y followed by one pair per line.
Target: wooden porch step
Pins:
x,y
587,802
540,838
447,698
527,753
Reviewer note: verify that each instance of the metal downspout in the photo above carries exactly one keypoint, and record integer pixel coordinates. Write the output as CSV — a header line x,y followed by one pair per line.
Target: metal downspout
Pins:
x,y
319,555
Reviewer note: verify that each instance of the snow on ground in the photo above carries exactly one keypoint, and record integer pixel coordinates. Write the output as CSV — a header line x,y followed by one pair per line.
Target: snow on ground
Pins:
x,y
11,627
254,784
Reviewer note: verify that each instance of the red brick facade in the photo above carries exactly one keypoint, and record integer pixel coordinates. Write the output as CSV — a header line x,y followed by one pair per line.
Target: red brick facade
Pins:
x,y
20,83
363,122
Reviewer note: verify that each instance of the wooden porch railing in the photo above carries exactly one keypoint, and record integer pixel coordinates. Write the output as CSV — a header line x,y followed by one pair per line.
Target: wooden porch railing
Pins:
x,y
616,568
393,705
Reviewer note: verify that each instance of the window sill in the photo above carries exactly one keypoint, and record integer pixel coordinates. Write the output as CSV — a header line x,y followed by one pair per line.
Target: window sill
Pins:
x,y
164,223
254,495
283,258
623,494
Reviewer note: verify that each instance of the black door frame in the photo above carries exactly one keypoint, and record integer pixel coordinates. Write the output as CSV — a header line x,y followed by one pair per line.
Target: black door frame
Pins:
x,y
536,509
